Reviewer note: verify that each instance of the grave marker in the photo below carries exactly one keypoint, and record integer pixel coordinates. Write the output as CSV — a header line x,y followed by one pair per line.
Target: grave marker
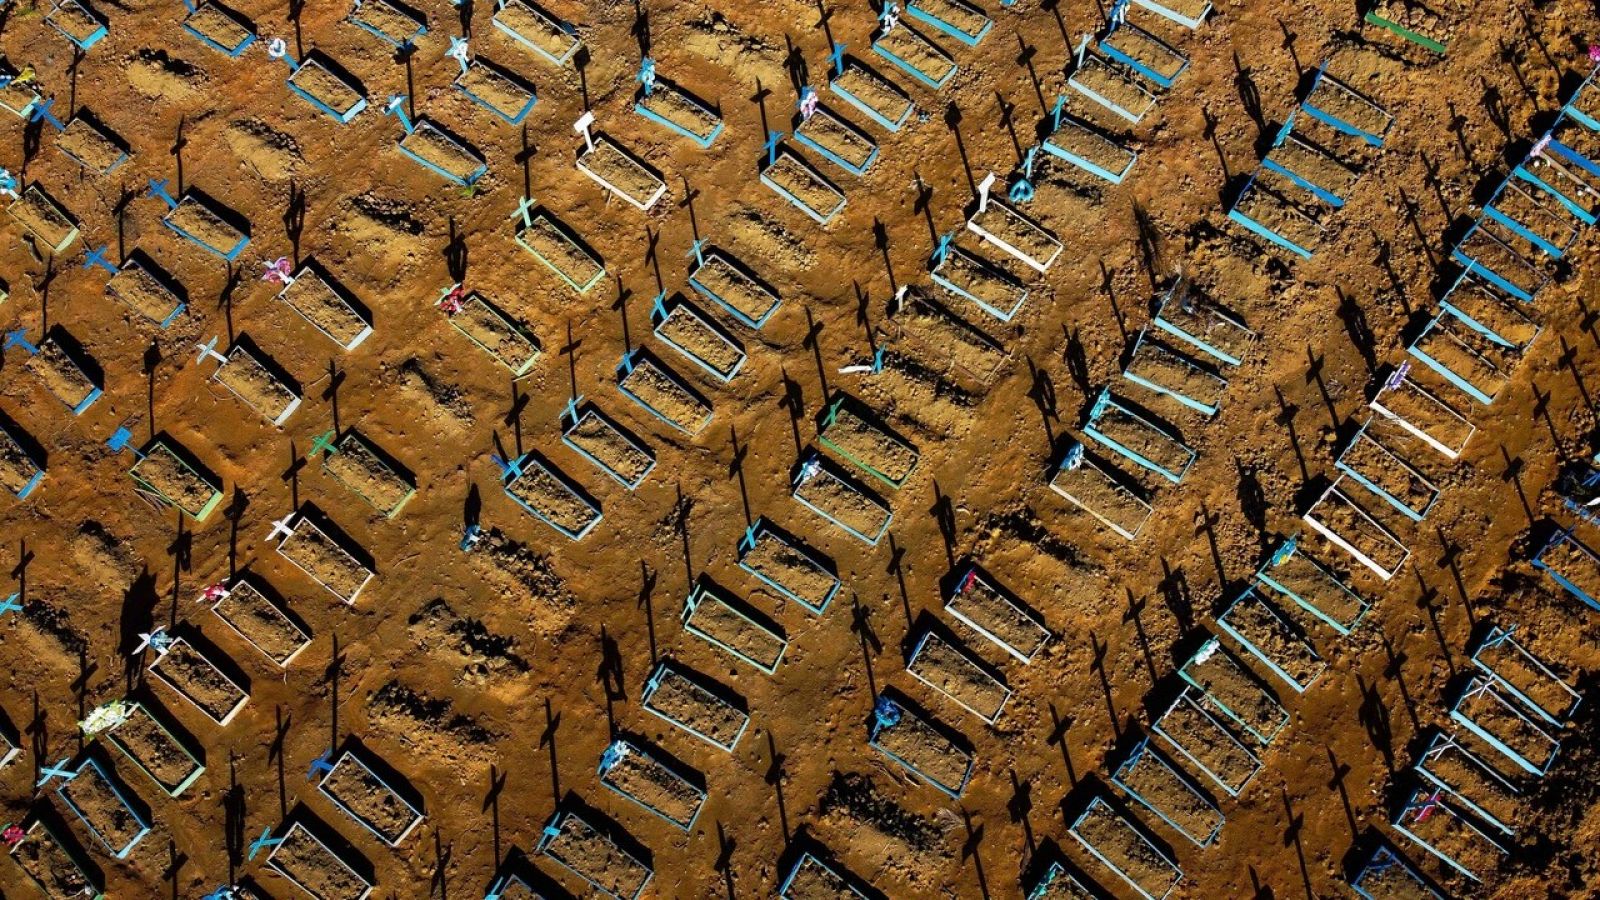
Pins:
x,y
434,149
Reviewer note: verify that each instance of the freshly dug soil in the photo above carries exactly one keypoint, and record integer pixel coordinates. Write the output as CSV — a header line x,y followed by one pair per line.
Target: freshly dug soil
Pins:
x,y
496,333
814,881
929,754
253,383
1118,85
869,447
1387,470
543,491
988,609
136,287
791,569
995,288
443,151
952,672
1126,850
666,396
1317,167
1414,17
1468,354
1090,487
260,622
690,333
536,28
60,374
1139,436
717,621
734,288
909,47
1091,146
1287,650
1445,830
1426,411
1496,713
109,816
1350,520
392,23
1396,882
162,470
89,145
76,21
1516,669
838,137
372,803
1233,695
17,95
45,861
1499,258
1466,776
694,709
805,184
1337,100
155,750
307,862
1169,369
186,671
217,25
318,303
1489,310
651,783
39,215
965,17
556,250
1148,51
1028,237
358,468
951,338
1157,783
16,469
583,849
1210,326
322,84
320,557
670,103
200,222
1203,737
874,92
1282,218
489,85
610,448
619,169
865,516
1313,584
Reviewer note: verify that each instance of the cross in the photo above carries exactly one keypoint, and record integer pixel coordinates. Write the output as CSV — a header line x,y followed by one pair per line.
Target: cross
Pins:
x,y
647,75
93,257
886,712
209,348
324,443
458,51
282,527
943,250
320,764
1539,148
226,892
19,338
159,189
1119,12
192,8
697,250
836,59
1083,50
983,191
771,147
450,298
1074,457
8,183
626,366
119,439
59,770
524,209
889,17
1100,404
159,639
261,843
1055,112
658,306
877,359
808,102
582,126
278,270
471,537
508,467
1399,375
41,113
278,48
397,107
748,542
12,835
571,411
832,413
10,603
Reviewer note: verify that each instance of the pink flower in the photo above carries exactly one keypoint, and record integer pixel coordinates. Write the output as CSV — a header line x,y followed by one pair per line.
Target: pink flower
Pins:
x,y
12,835
1594,53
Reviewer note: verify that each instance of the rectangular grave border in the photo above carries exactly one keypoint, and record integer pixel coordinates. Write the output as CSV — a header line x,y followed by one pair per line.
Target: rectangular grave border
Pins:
x,y
306,832
309,272
1075,460
73,855
343,118
1499,636
1139,752
511,325
1568,537
378,456
1094,851
188,753
592,410
246,582
233,52
600,269
1185,400
509,477
1415,515
516,117
653,683
229,254
133,263
1443,743
950,29
350,756
90,763
800,862
761,529
555,24
905,65
1187,696
1382,859
614,754
641,205
703,141
625,368
974,575
728,261
38,474
816,465
244,696
821,217
1260,653
893,125
1117,70
409,41
990,270
82,43
1339,540
1207,650
1177,331
466,181
240,350
702,592
1401,379
35,190
1105,402
305,522
716,328
140,484
1422,805
1280,555
878,727
1479,686
969,657
811,144
1419,351
553,830
1007,209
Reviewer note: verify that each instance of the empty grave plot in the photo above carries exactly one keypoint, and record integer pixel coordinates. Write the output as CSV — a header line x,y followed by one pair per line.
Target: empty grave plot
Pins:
x,y
953,672
922,749
1525,676
551,245
1340,519
679,699
1147,54
260,622
52,865
813,879
702,341
837,499
1466,357
724,282
161,470
986,609
1421,413
249,379
1261,208
838,140
196,679
633,772
1316,589
1097,491
1002,225
950,338
387,21
486,325
1115,841
155,751
1496,261
1371,463
801,184
1204,740
44,218
318,555
1388,877
1229,690
1269,637
63,376
196,220
310,295
1156,783
1137,438
665,396
90,146
591,855
1205,326
715,618
326,90
619,171
604,443
309,864
444,154
1166,371
919,56
669,104
18,472
867,444
552,498
977,280
361,468
1490,714
1113,86
218,27
135,287
1334,98
105,812
790,569
1474,783
368,799
874,95
537,30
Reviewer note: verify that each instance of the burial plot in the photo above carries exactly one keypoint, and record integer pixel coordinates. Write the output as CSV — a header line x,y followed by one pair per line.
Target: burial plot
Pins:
x,y
622,173
1087,147
732,287
1369,462
1201,324
1188,13
787,567
315,868
851,433
531,26
436,150
838,140
1161,369
633,772
1501,722
878,98
391,23
1491,313
947,340
551,244
580,848
1143,52
1100,492
56,867
1564,173
799,182
17,96
1229,690
220,28
102,807
1270,637
500,336
77,23
317,553
1311,168
364,796
645,381
832,495
1058,884
1160,787
260,621
550,497
678,697
197,220
498,91
919,747
1270,214
1137,439
1525,676
329,91
1339,518
1465,357
1487,255
732,626
1573,565
1110,84
248,377
137,287
1202,739
187,671
18,472
367,472
155,750
91,146
1548,226
700,339
954,672
975,279
1473,783
1421,413
1291,572
982,605
1112,839
957,19
163,476
1412,20
672,107
1344,109
1435,825
915,54
1004,226
58,366
600,440
44,218
812,879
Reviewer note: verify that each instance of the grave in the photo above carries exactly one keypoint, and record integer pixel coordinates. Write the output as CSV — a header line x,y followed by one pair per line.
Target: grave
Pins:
x,y
246,373
1485,252
367,472
318,554
1056,883
550,496
1269,214
1137,439
552,244
57,363
198,220
54,865
1411,20
1551,228
1437,826
852,431
1371,463
1161,787
1342,108
435,149
582,849
1159,368
499,91
1290,571
700,338
1188,13
314,867
731,625
1110,84
325,86
488,326
192,676
799,182
823,489
366,797
733,287
919,746
1465,357
17,95
914,53
102,806
876,97
531,26
958,675
981,604
138,287
90,145
1573,565
1477,786
618,170
946,337
317,299
261,621
632,771
1002,225
599,439
787,566
661,392
1201,738
1126,43
154,750
1525,676
163,475
670,106
1100,491
1310,167
1422,414
1503,724
957,19
79,24
1272,639
1194,319
1498,317
1567,176
44,218
690,702
1347,524
393,23
838,140
812,879
220,28
1087,147
19,473
1112,839
1228,689
973,278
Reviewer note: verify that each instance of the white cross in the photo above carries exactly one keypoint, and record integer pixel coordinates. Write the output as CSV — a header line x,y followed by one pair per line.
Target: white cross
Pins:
x,y
209,348
582,126
282,527
983,192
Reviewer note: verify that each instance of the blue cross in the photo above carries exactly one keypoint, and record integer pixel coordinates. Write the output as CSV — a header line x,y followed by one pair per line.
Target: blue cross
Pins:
x,y
877,359
1286,550
524,209
97,257
471,536
626,366
772,146
748,542
19,338
647,75
190,6
1119,12
41,112
159,189
209,348
943,250
10,603
552,831
833,409
8,182
226,892
1021,190
119,439
886,712
397,108
511,467
59,770
1074,457
658,306
261,843
697,250
320,764
1100,404
572,408
1055,112
324,443
836,59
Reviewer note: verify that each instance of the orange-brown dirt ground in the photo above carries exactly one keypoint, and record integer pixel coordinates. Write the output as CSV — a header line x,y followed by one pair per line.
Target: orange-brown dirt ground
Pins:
x,y
495,706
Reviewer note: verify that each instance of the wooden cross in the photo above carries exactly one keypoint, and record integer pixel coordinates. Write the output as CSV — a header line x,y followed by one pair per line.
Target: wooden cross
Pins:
x,y
771,147
324,443
158,188
209,348
282,527
96,257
